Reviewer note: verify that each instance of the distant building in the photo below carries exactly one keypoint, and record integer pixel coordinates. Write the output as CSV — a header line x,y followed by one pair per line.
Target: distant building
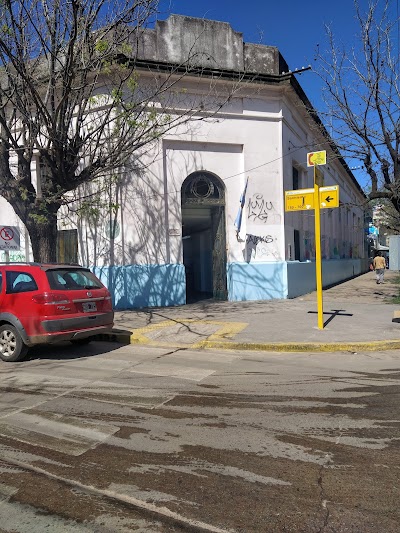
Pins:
x,y
173,237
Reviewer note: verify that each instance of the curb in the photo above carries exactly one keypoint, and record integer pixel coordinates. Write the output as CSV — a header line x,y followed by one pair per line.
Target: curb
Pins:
x,y
126,337
372,346
116,335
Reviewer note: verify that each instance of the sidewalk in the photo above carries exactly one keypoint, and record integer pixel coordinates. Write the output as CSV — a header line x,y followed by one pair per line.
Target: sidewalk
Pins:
x,y
357,316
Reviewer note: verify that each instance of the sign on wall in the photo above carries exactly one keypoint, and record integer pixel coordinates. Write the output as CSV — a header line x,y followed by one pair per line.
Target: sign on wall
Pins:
x,y
9,238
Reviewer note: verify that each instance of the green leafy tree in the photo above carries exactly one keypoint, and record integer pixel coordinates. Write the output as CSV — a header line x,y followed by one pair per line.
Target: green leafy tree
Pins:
x,y
74,105
362,96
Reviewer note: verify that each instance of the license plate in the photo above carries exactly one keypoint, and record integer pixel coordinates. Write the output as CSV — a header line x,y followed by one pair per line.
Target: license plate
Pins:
x,y
89,306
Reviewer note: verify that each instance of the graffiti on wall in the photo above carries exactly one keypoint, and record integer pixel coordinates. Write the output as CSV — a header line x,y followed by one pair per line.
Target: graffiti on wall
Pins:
x,y
261,241
309,249
261,247
258,209
14,257
331,248
255,239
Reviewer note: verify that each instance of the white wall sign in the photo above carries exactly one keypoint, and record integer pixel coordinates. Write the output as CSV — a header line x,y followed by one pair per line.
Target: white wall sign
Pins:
x,y
9,238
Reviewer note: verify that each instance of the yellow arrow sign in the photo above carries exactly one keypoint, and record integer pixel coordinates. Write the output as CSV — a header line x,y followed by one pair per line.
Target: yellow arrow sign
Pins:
x,y
299,200
303,199
329,196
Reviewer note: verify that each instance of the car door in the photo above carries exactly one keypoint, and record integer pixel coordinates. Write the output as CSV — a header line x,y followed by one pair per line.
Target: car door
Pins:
x,y
1,290
20,285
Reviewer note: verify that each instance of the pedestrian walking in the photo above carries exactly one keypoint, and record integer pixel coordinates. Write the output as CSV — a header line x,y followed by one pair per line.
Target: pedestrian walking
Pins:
x,y
379,267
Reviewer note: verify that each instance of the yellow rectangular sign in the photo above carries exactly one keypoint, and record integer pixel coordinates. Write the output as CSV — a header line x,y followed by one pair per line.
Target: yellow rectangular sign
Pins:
x,y
299,200
316,158
329,196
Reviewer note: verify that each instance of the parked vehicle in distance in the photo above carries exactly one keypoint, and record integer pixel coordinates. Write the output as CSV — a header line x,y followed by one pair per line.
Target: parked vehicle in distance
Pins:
x,y
47,303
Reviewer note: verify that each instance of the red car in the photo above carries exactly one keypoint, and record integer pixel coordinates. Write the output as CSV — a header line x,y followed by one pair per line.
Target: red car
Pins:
x,y
41,304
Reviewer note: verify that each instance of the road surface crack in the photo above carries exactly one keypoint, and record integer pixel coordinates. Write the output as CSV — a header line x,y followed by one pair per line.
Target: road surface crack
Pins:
x,y
322,495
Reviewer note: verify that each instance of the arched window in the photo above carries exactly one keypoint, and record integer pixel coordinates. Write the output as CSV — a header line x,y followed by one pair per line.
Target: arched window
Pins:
x,y
203,187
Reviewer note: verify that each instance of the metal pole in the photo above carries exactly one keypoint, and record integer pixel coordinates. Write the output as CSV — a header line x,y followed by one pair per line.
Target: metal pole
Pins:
x,y
318,259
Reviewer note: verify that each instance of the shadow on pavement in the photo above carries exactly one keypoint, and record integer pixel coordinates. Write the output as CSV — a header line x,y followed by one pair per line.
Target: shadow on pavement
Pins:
x,y
334,313
67,351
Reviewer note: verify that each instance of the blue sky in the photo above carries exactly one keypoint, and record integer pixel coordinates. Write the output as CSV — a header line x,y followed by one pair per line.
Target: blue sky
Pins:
x,y
295,27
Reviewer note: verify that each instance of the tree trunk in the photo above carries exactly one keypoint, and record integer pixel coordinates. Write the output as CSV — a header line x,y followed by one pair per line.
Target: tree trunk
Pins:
x,y
43,235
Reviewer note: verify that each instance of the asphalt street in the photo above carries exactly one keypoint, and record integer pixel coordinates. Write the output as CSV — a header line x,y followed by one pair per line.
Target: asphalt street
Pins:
x,y
111,438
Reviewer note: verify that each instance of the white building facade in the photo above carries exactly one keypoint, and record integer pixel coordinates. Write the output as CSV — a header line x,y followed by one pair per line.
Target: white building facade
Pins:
x,y
172,237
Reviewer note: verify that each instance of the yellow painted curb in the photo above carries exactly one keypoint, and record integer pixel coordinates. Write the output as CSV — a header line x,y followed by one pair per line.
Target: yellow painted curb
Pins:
x,y
378,346
226,330
216,344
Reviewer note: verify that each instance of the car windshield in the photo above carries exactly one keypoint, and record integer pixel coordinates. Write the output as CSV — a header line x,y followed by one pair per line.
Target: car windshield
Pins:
x,y
70,279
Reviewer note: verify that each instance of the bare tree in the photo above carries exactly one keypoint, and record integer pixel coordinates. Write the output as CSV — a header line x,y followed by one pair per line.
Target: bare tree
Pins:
x,y
76,104
362,95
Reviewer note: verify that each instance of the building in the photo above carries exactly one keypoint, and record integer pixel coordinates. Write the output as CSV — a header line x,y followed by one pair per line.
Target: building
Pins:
x,y
173,237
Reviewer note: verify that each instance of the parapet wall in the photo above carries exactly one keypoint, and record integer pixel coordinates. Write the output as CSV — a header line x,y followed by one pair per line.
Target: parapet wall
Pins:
x,y
207,44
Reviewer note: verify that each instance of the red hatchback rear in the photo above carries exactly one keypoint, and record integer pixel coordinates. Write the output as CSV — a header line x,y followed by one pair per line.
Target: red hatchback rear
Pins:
x,y
42,304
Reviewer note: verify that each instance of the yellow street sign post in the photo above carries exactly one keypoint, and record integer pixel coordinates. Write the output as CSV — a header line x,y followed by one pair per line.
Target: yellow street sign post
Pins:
x,y
318,198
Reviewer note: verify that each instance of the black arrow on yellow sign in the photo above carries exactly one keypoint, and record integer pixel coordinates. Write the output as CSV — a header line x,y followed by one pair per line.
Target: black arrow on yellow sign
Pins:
x,y
329,199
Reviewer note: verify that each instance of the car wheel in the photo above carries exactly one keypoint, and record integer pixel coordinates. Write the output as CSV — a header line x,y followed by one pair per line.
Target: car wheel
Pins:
x,y
11,346
80,342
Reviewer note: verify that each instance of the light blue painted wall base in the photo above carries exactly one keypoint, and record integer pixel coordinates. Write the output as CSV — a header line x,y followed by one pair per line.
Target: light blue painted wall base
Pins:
x,y
301,276
256,281
136,286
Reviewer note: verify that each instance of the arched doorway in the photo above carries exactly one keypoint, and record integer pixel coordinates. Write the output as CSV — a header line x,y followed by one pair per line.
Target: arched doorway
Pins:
x,y
203,236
